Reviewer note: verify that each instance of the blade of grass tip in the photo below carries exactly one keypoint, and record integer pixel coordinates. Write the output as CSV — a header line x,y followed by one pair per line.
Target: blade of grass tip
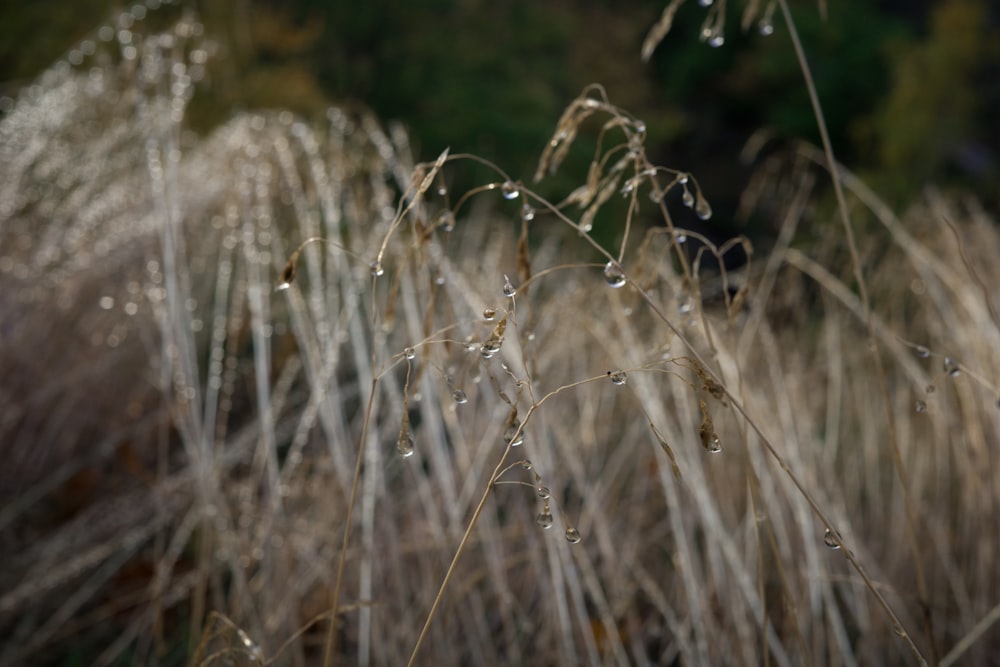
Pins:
x,y
879,369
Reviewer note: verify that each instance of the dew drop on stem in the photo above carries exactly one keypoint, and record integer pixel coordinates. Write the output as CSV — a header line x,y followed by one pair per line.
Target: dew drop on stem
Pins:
x,y
544,519
923,352
920,406
687,198
409,353
572,535
508,287
831,540
376,268
509,190
527,212
613,275
617,377
951,367
544,493
513,435
459,396
404,444
489,314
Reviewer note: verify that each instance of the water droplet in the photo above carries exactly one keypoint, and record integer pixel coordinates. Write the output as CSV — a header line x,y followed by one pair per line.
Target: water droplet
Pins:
x,y
489,314
617,377
613,275
715,41
409,353
703,209
459,396
765,27
442,190
526,464
446,220
930,389
705,3
831,540
544,493
508,287
951,367
492,344
923,352
513,436
898,629
527,212
572,535
250,645
405,443
509,190
282,286
544,519
920,406
376,268
687,198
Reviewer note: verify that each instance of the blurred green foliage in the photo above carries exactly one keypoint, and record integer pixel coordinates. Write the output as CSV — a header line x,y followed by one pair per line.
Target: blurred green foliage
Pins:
x,y
910,95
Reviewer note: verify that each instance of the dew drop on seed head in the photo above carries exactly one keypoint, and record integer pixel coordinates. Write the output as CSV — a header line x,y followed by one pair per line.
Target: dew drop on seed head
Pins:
x,y
703,209
409,353
617,377
920,406
508,287
513,436
376,268
544,519
459,396
544,493
831,540
951,367
509,190
923,352
687,198
489,314
572,535
405,443
527,212
613,275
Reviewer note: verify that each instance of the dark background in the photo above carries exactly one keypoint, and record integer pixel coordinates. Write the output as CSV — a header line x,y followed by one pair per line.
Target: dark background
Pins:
x,y
911,89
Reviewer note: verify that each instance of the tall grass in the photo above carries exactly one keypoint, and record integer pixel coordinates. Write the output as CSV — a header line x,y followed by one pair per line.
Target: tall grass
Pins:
x,y
278,396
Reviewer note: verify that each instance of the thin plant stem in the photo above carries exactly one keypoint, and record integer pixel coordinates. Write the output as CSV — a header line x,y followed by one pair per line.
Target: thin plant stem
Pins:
x,y
865,304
